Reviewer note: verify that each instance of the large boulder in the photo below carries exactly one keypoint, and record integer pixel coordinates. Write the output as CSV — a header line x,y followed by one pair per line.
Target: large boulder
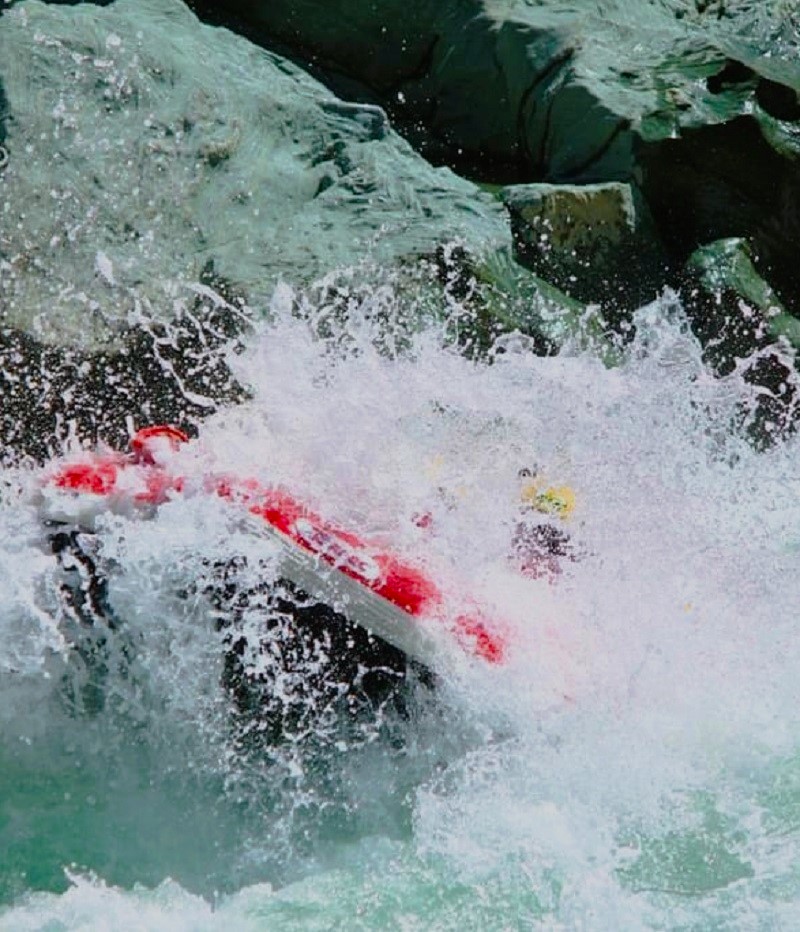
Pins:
x,y
697,102
159,177
144,147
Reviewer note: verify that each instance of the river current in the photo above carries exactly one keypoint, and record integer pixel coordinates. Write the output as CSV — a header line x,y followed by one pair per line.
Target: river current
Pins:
x,y
633,766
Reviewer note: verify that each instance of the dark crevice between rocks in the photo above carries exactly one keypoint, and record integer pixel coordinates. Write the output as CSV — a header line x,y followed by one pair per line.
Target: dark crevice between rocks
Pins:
x,y
175,372
478,166
544,140
716,8
778,100
733,73
722,181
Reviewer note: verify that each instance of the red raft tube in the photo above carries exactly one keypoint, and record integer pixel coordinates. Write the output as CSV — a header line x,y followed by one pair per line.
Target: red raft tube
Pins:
x,y
393,598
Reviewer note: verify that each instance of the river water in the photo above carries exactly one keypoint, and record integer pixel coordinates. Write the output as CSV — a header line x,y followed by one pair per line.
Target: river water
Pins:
x,y
635,765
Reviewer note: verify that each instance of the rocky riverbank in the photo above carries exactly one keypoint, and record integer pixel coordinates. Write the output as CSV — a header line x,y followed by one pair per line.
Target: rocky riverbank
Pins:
x,y
611,153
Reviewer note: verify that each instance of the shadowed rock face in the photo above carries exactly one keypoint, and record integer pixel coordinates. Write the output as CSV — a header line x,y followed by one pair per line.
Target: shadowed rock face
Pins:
x,y
173,372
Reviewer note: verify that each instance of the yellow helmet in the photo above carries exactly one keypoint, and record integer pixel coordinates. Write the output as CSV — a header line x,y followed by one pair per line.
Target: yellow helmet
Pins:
x,y
553,500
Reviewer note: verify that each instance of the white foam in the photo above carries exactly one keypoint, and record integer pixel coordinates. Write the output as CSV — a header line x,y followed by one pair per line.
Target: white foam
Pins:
x,y
653,693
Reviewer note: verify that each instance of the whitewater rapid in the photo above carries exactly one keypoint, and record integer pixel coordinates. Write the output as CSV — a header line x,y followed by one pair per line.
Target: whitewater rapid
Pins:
x,y
635,765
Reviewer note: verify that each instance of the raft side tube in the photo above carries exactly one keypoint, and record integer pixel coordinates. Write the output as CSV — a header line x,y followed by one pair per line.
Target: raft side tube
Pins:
x,y
373,587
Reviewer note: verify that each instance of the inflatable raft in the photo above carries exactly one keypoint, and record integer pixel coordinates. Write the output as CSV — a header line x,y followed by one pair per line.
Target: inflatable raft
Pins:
x,y
393,598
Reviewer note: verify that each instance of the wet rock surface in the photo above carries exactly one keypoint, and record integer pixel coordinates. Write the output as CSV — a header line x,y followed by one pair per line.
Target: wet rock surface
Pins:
x,y
695,102
586,238
139,147
144,145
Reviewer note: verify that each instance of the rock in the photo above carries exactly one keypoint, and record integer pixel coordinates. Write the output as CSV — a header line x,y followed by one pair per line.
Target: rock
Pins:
x,y
150,155
586,239
742,324
732,306
697,103
504,298
175,372
154,145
